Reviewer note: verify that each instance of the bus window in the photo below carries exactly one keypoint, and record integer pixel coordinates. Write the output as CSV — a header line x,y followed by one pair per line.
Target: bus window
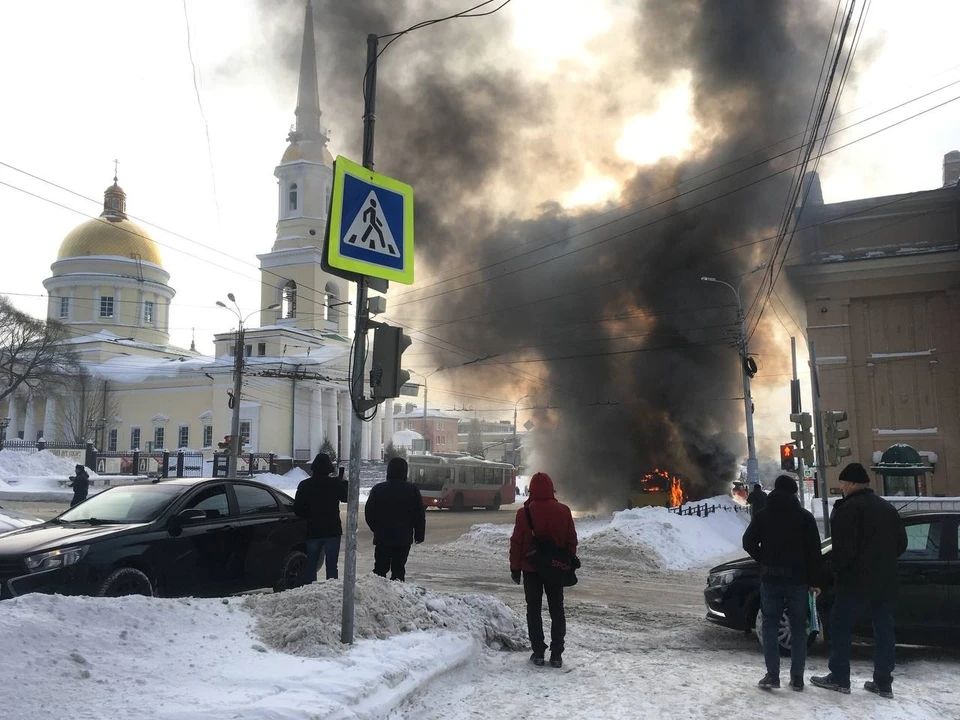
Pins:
x,y
468,475
488,476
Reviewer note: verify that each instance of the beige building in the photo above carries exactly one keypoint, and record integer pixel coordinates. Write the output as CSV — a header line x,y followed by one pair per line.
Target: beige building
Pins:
x,y
109,287
880,278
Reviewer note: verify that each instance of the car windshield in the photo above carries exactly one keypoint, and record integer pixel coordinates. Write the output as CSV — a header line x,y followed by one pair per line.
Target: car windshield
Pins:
x,y
128,504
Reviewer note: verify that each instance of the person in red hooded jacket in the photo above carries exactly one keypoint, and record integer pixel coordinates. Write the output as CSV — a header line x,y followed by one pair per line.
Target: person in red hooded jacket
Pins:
x,y
551,519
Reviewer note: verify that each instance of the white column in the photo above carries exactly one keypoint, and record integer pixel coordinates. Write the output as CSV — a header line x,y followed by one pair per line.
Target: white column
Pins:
x,y
365,442
376,449
330,417
345,415
30,421
13,411
50,420
316,421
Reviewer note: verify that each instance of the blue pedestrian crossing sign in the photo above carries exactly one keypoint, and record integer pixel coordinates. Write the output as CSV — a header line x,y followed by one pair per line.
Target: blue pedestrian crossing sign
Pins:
x,y
371,224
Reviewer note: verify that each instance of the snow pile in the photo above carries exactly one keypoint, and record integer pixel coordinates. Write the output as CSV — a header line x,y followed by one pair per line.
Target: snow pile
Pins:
x,y
197,658
306,621
37,473
668,540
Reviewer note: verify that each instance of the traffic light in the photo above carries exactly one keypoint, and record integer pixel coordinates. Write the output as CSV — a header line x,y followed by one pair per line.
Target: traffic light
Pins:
x,y
787,459
386,377
833,434
227,442
803,437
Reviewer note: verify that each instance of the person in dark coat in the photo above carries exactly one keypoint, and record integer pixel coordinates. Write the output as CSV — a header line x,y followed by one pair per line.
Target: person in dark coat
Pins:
x,y
80,482
757,499
868,538
783,537
551,519
395,514
318,501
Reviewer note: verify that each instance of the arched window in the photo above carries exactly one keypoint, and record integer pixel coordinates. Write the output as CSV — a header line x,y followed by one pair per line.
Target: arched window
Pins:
x,y
289,301
331,313
293,196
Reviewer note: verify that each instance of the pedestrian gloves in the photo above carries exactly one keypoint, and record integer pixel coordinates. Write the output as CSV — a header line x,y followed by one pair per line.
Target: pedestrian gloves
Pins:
x,y
515,574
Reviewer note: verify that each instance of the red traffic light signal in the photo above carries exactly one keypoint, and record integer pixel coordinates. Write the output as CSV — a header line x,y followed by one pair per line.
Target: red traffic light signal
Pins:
x,y
787,458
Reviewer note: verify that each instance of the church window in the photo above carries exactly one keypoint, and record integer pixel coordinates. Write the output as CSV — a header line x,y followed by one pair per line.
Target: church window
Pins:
x,y
135,438
183,439
289,302
64,308
106,306
208,436
115,203
293,196
330,312
148,311
244,432
112,440
158,439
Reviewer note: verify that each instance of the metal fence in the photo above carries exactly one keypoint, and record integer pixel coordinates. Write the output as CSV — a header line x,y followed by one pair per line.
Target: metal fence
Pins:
x,y
248,465
704,510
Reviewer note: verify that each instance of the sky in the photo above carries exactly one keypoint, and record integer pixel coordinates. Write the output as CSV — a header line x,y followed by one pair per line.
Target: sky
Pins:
x,y
177,92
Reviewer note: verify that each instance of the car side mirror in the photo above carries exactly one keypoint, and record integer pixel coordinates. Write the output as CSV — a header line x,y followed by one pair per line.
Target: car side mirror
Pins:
x,y
184,517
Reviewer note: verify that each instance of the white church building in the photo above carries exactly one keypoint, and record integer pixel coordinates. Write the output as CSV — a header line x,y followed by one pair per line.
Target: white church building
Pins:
x,y
109,288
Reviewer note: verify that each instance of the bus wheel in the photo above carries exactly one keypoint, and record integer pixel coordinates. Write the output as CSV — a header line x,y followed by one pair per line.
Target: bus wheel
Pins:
x,y
458,502
496,503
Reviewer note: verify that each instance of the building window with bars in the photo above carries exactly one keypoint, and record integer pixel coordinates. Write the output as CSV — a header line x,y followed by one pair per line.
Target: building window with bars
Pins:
x,y
183,436
112,440
208,436
148,311
135,438
64,308
106,306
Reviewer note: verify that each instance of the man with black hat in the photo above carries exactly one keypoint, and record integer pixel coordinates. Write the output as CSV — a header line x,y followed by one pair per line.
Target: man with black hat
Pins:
x,y
868,537
395,513
784,539
318,501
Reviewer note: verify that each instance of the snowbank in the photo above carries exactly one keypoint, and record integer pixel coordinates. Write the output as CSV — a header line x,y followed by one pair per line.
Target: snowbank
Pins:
x,y
37,473
288,482
306,621
136,657
651,537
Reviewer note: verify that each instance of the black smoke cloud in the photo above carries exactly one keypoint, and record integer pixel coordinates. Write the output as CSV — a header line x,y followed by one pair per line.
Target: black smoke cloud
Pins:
x,y
486,140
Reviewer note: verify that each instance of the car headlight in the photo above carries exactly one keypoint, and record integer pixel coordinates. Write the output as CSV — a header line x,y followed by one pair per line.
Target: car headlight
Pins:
x,y
722,578
56,558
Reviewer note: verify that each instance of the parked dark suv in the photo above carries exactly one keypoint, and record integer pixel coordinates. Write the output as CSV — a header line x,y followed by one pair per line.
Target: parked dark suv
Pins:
x,y
928,604
173,538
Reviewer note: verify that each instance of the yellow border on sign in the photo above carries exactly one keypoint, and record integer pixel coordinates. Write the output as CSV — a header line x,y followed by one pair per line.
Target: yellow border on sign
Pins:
x,y
341,168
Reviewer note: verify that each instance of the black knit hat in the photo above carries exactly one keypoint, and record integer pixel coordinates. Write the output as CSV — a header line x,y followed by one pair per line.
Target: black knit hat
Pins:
x,y
397,469
855,473
786,484
321,465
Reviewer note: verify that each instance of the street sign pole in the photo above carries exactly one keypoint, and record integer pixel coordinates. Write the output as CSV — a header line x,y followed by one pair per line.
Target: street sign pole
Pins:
x,y
356,376
796,407
818,429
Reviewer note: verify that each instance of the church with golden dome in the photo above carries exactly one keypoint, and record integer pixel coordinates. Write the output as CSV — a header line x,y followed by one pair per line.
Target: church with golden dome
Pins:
x,y
109,288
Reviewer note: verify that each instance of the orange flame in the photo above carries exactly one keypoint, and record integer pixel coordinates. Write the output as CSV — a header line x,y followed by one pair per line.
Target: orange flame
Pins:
x,y
676,492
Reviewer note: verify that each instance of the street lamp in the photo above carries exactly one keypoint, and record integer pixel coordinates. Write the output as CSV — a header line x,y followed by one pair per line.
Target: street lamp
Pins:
x,y
237,379
753,465
426,442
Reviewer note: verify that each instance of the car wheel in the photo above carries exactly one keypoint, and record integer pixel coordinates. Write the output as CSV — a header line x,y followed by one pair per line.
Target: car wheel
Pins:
x,y
292,569
126,581
496,503
784,636
458,502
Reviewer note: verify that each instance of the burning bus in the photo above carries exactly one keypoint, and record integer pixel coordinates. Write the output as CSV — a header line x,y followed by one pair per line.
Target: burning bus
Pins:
x,y
658,489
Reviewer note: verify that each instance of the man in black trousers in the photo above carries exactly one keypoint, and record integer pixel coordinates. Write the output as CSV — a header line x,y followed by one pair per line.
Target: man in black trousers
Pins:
x,y
397,517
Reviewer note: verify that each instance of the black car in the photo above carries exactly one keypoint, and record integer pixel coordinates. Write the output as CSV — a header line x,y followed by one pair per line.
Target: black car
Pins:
x,y
175,538
928,604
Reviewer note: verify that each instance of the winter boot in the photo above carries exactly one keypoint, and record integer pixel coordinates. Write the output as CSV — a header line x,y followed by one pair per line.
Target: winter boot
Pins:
x,y
555,660
827,682
537,658
769,682
796,683
884,691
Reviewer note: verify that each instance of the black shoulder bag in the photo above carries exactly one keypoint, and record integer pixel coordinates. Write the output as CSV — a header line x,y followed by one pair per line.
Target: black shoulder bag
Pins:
x,y
556,565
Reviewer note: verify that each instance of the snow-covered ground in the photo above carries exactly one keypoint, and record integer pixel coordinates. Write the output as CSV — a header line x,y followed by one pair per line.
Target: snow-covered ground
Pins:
x,y
37,474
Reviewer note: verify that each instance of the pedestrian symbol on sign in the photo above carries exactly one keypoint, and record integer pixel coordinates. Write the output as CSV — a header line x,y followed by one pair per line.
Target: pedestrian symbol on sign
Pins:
x,y
370,232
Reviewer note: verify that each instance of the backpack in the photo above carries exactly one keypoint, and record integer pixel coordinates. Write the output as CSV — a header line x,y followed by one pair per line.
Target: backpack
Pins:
x,y
555,565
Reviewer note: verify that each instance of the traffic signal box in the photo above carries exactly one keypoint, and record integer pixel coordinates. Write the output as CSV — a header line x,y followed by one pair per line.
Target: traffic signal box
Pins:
x,y
803,438
386,376
833,434
787,459
227,441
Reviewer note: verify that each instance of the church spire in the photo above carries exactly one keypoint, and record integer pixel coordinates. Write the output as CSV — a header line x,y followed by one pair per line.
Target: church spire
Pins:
x,y
308,96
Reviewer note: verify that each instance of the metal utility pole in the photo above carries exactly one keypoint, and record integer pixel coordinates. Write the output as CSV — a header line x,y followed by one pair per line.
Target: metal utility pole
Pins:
x,y
818,430
356,375
796,407
235,418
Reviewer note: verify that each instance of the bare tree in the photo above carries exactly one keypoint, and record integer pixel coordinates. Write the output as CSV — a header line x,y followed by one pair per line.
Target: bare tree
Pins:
x,y
88,409
475,438
33,353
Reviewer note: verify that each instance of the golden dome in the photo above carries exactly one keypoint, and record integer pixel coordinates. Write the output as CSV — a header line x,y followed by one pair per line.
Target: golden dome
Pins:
x,y
309,151
109,236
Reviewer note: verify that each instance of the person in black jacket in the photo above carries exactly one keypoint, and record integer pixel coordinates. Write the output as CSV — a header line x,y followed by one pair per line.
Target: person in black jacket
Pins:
x,y
318,502
868,538
784,539
80,482
757,499
395,513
